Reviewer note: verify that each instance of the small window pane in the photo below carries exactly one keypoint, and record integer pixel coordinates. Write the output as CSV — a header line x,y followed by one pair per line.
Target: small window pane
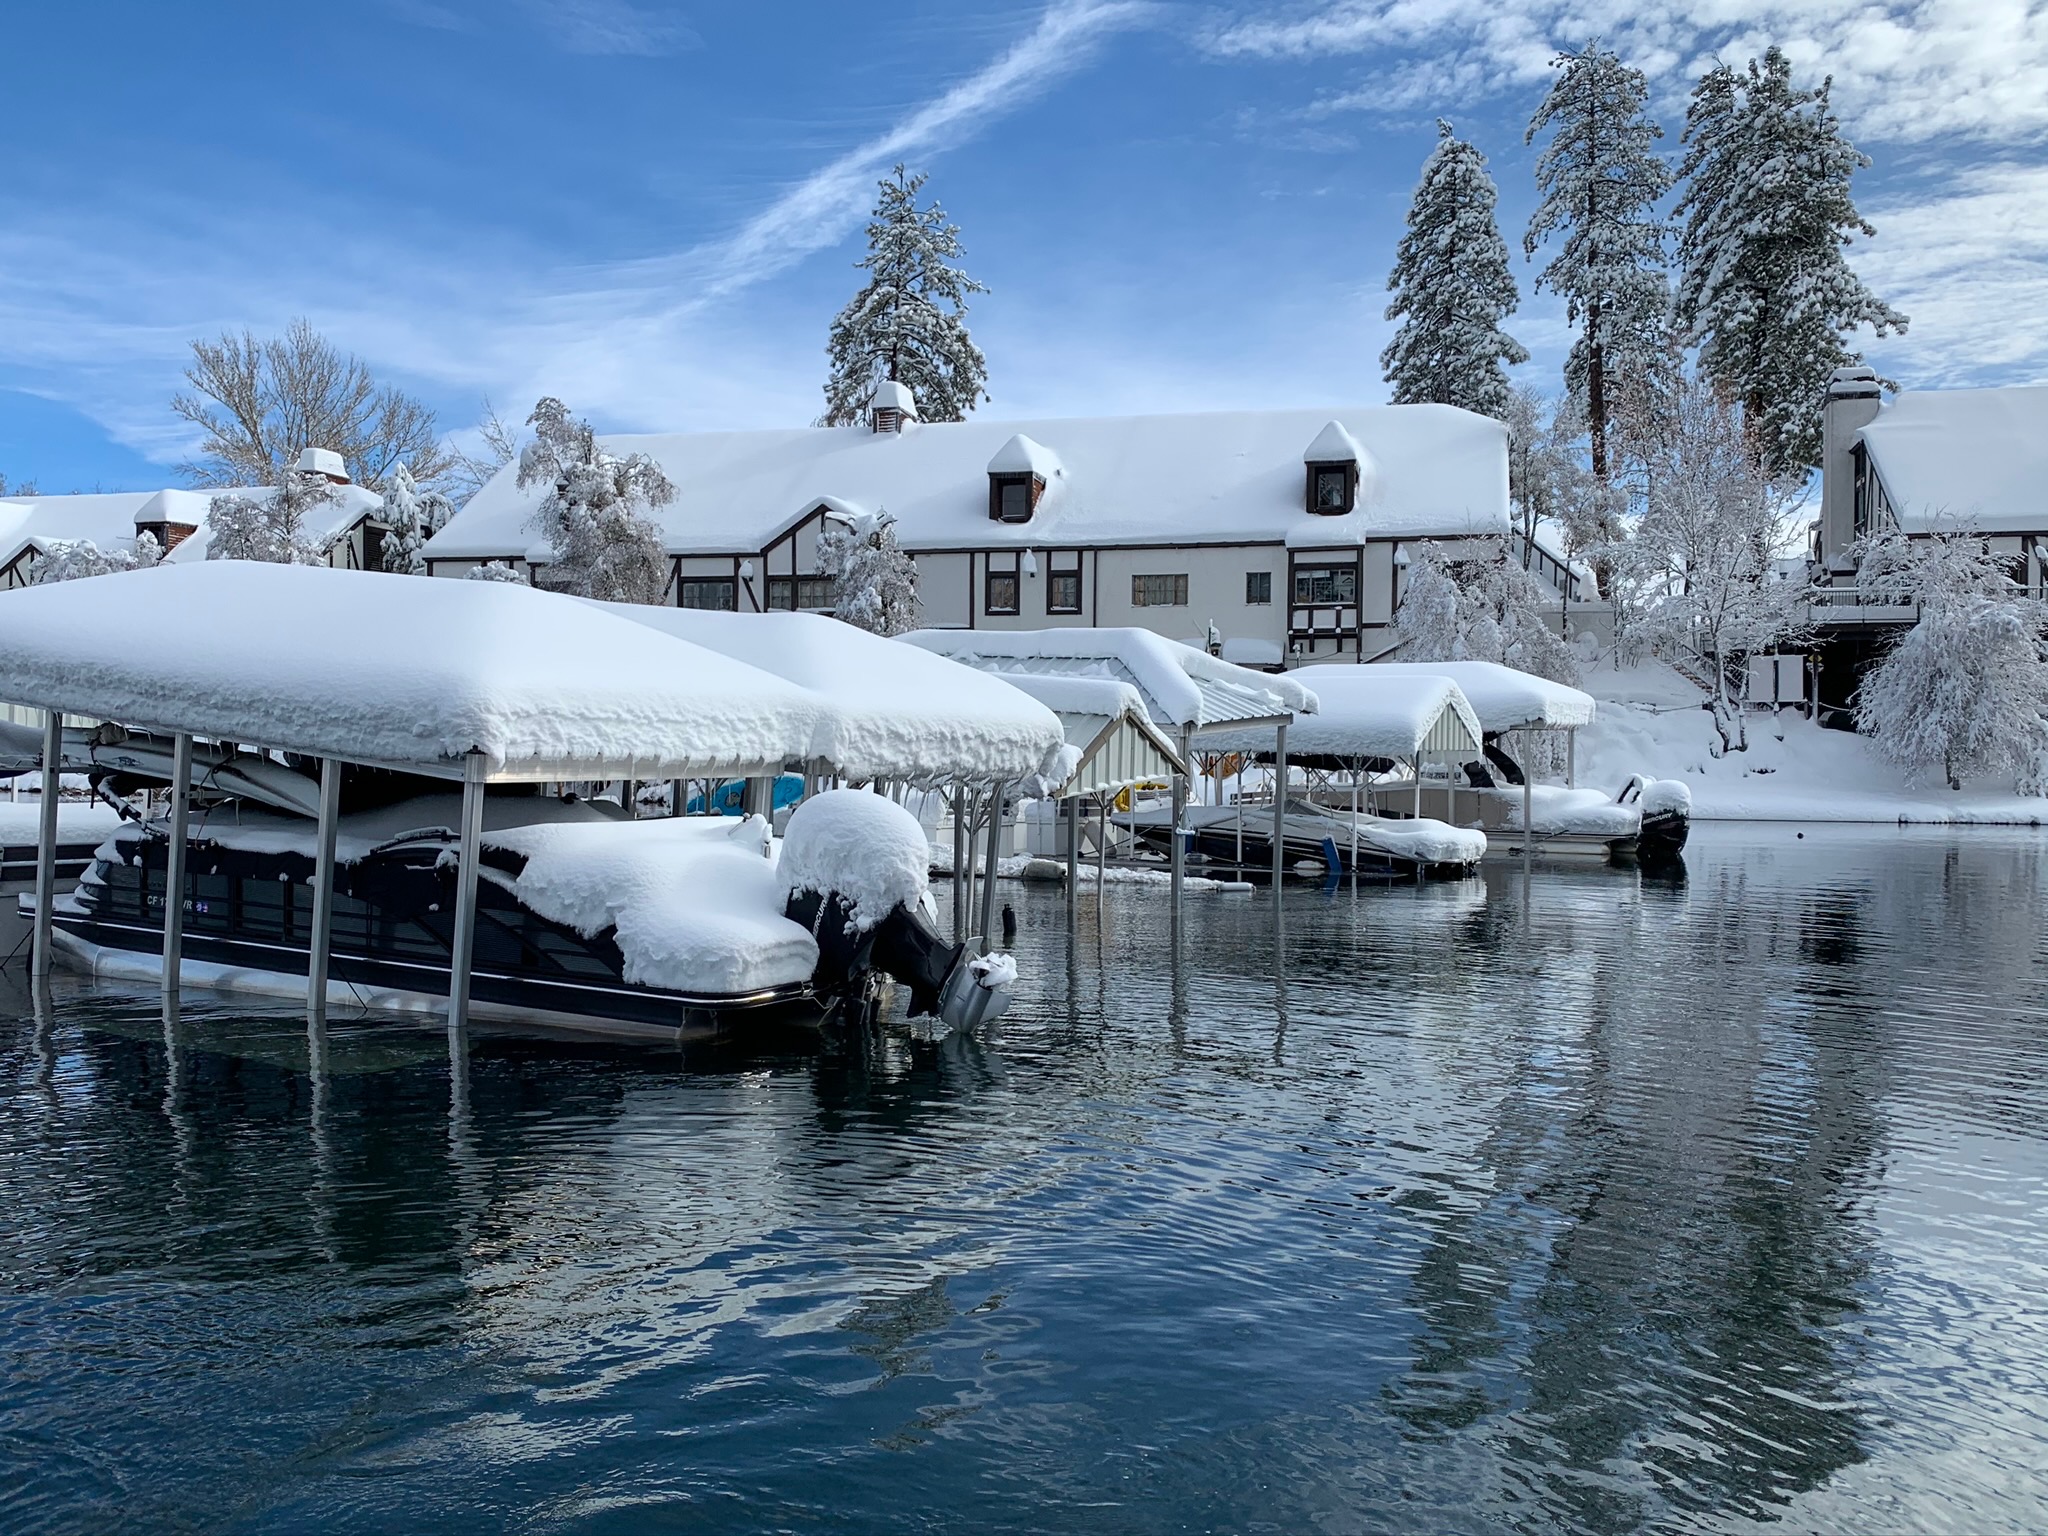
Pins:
x,y
1258,586
1332,490
1063,592
1159,591
1002,591
1326,584
1015,501
781,594
716,594
814,592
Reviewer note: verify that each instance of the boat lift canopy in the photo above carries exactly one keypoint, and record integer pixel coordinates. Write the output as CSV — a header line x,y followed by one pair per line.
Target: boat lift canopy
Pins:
x,y
1115,743
1370,714
1503,698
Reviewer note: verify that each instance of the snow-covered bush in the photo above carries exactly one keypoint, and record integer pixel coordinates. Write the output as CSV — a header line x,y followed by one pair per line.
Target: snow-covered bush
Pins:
x,y
594,516
1452,289
1963,692
1700,565
413,516
874,583
1479,610
276,526
70,559
495,570
909,321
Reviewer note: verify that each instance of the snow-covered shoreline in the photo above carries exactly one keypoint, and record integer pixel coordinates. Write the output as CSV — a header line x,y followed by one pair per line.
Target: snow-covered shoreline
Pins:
x,y
1794,769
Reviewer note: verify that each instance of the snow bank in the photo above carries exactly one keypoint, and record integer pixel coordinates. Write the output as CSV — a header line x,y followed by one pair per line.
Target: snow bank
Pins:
x,y
1364,712
862,846
395,669
1180,685
1793,771
884,711
21,823
1502,698
694,905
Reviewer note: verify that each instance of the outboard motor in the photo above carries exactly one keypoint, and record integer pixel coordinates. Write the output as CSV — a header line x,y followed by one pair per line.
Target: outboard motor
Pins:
x,y
854,866
1666,809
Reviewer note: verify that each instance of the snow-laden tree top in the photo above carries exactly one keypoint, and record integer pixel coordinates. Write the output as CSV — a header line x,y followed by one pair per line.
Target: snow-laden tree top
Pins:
x,y
908,324
382,668
1211,476
1452,289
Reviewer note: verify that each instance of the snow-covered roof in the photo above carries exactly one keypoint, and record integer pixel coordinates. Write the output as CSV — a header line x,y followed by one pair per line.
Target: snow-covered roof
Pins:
x,y
110,519
1503,698
396,670
1372,712
1335,445
1115,743
892,394
1182,688
1213,477
1964,457
886,711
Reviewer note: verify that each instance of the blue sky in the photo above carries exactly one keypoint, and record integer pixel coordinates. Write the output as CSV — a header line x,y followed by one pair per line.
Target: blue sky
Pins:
x,y
651,210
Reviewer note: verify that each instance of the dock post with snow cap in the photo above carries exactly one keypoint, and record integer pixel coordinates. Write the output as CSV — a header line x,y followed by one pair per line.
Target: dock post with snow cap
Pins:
x,y
174,859
1178,854
46,841
462,952
322,937
988,878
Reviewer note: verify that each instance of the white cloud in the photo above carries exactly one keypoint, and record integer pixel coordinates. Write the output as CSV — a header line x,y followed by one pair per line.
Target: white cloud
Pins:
x,y
1905,70
609,27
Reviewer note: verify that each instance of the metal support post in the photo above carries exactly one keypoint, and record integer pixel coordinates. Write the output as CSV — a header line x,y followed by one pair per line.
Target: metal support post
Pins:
x,y
323,891
46,841
959,862
462,952
1279,804
1073,814
1528,799
174,860
988,877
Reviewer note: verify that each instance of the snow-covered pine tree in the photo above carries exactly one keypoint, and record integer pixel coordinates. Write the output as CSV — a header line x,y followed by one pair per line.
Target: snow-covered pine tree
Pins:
x,y
909,323
72,559
1702,562
413,517
1965,691
1764,290
874,583
278,527
594,516
1452,289
1600,183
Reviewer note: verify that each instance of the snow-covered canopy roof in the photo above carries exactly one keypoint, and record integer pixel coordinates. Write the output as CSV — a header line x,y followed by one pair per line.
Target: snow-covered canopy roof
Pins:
x,y
1503,698
1181,688
885,711
1104,719
1973,458
398,671
893,395
1222,476
1373,712
112,519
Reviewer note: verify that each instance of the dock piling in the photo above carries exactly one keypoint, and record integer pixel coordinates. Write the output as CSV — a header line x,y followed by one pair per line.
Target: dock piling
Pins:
x,y
463,951
323,892
174,859
46,842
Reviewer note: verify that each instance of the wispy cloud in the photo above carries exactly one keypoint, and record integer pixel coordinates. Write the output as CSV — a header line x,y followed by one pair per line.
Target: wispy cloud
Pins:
x,y
98,314
609,27
1905,70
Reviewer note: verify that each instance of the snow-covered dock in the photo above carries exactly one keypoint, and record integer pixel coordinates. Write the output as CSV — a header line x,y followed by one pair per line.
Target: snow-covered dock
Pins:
x,y
478,684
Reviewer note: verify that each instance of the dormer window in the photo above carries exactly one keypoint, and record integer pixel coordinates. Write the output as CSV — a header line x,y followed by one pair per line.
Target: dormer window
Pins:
x,y
1013,498
1332,488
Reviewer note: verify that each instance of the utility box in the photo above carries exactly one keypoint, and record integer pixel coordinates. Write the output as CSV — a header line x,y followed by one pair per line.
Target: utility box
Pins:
x,y
1775,680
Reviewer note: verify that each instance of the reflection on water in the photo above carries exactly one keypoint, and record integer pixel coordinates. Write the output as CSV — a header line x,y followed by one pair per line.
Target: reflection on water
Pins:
x,y
1569,1202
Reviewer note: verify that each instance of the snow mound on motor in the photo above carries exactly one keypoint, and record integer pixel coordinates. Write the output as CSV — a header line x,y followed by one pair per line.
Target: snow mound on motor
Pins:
x,y
857,845
1662,796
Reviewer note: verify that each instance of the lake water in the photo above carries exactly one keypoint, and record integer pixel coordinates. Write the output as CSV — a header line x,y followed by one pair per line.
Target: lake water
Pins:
x,y
1585,1203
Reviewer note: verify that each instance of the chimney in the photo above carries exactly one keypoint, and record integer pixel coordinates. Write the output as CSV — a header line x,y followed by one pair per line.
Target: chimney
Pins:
x,y
891,405
1852,404
323,461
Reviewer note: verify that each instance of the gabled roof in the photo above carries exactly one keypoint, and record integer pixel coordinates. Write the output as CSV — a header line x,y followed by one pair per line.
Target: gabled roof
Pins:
x,y
1213,477
1503,698
1975,458
110,519
1373,712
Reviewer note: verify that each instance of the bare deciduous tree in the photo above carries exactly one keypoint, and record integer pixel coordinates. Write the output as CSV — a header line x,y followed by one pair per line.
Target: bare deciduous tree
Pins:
x,y
260,402
497,446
